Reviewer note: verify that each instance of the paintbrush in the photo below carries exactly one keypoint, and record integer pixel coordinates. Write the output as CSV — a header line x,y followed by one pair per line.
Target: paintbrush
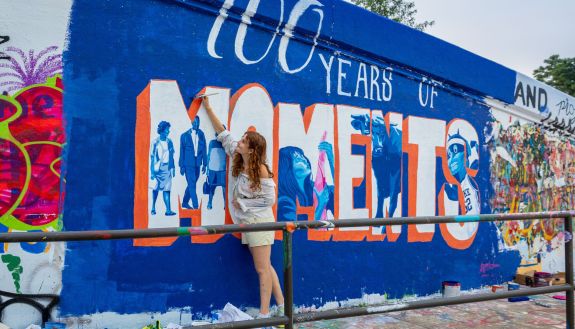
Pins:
x,y
204,95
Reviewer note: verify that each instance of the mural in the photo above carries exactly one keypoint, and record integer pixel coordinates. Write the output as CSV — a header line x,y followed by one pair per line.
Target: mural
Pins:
x,y
348,136
32,139
533,170
31,142
298,196
355,129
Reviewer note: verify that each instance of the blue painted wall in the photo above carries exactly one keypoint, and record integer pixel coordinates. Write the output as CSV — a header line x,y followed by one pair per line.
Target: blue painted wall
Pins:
x,y
117,47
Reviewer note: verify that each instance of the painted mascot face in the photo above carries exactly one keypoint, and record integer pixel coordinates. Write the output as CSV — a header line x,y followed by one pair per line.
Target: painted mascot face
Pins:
x,y
455,159
456,156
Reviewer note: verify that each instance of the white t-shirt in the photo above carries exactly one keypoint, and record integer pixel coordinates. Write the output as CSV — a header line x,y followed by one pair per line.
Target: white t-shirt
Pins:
x,y
195,141
253,204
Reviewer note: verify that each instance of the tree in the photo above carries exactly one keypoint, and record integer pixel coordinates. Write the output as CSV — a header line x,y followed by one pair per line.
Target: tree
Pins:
x,y
401,11
559,73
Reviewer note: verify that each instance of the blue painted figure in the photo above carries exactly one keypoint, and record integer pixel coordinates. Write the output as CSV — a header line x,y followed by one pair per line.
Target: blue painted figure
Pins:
x,y
458,153
296,183
216,170
162,166
192,158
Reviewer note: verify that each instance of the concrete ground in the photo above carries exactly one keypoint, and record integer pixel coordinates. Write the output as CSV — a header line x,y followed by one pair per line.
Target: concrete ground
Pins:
x,y
541,311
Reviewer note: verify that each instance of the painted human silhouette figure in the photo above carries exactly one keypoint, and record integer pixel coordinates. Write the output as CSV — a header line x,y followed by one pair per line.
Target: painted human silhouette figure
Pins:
x,y
297,186
459,152
162,167
192,159
216,170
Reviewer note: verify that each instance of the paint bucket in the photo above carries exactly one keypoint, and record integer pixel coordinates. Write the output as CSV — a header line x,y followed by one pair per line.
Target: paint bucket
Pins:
x,y
515,286
543,279
450,288
496,287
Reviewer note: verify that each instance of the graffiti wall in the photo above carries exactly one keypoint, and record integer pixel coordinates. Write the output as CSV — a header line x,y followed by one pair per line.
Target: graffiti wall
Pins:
x,y
357,127
532,170
32,139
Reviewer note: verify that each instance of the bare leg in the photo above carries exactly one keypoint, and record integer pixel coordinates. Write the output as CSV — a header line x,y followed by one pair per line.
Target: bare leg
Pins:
x,y
262,263
211,195
154,198
224,195
169,211
276,287
166,196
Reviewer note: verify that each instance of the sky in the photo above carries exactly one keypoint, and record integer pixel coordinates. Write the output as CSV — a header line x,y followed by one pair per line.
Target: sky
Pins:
x,y
519,34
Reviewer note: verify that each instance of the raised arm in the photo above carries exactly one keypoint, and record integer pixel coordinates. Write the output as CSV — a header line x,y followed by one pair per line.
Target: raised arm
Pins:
x,y
218,126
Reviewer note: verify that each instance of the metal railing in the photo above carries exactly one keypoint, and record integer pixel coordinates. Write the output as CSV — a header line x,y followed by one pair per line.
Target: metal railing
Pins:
x,y
289,227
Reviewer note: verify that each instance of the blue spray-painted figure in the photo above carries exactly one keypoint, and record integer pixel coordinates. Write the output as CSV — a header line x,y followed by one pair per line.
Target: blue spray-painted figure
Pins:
x,y
162,166
458,153
296,183
192,158
216,170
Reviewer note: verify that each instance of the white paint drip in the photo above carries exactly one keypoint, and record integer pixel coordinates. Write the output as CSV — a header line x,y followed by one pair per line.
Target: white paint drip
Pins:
x,y
385,308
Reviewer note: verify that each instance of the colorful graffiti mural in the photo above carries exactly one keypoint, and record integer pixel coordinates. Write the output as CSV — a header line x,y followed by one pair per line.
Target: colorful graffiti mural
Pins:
x,y
32,140
31,143
532,170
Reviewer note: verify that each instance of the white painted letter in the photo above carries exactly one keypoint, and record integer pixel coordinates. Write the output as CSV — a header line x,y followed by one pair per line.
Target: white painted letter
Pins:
x,y
361,76
340,76
423,138
327,67
374,76
350,166
298,10
242,30
215,31
386,88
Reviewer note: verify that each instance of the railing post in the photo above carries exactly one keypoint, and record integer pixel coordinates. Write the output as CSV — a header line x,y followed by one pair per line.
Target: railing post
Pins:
x,y
569,270
288,278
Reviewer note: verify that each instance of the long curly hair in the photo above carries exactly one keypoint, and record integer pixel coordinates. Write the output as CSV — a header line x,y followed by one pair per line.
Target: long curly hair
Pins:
x,y
257,143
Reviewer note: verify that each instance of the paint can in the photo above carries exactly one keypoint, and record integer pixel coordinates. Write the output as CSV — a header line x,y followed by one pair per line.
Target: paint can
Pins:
x,y
515,286
543,279
496,287
450,288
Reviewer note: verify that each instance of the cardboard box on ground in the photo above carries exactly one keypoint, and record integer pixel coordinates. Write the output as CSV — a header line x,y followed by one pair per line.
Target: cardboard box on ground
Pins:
x,y
532,280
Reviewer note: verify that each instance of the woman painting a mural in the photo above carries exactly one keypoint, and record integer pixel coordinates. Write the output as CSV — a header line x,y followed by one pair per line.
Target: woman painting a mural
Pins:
x,y
162,167
253,191
297,186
